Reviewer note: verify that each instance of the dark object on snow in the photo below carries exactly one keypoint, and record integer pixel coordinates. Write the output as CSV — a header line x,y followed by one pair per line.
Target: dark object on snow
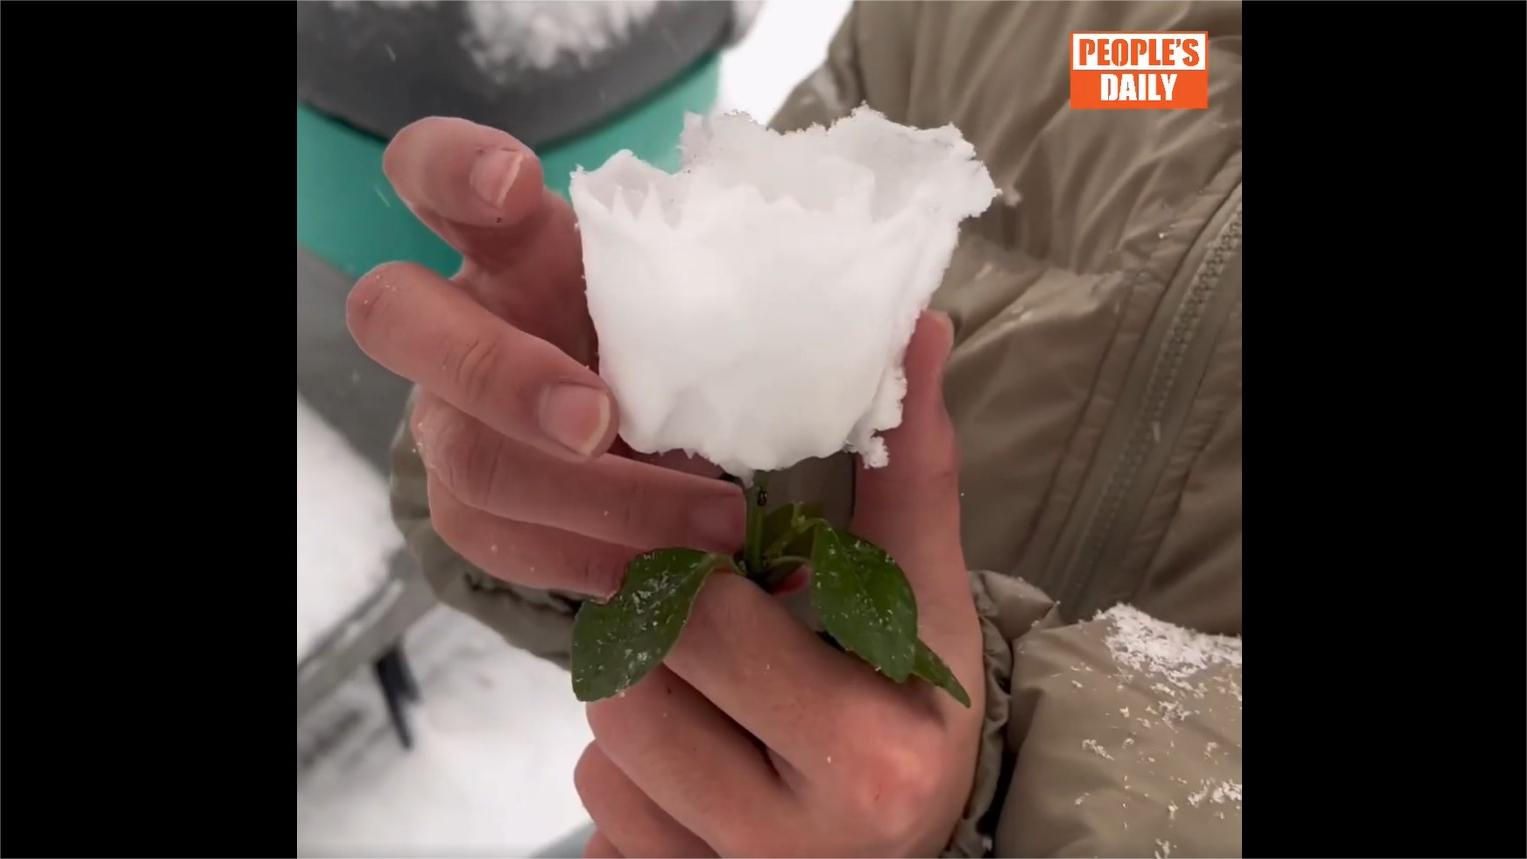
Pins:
x,y
379,67
398,689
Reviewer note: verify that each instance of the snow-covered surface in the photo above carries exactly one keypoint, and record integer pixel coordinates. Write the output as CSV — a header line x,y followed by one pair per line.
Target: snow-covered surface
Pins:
x,y
496,737
782,44
509,37
784,40
1145,644
753,308
345,534
785,43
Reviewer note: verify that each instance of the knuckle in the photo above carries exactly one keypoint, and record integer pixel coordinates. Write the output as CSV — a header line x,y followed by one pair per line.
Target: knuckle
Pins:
x,y
893,783
596,573
494,473
630,500
471,463
904,811
473,364
455,448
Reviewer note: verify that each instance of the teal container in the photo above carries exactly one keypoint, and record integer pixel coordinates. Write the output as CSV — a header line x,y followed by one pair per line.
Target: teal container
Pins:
x,y
348,215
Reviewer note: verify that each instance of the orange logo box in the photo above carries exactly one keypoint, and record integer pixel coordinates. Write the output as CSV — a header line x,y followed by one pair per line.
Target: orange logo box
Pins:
x,y
1139,71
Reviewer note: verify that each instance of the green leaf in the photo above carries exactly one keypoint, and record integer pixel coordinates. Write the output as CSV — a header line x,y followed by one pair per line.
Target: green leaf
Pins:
x,y
616,643
784,528
785,531
932,669
810,511
863,599
802,537
777,526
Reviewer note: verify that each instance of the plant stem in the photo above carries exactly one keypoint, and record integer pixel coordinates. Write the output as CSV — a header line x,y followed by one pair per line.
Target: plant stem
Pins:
x,y
782,560
758,499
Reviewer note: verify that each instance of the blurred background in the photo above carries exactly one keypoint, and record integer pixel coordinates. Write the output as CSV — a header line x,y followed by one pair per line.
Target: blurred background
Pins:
x,y
417,730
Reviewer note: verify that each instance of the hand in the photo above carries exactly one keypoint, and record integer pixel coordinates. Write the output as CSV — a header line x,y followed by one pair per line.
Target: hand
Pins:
x,y
515,428
755,738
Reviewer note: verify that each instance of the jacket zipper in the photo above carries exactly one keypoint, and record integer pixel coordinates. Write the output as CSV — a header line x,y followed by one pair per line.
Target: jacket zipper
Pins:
x,y
1094,530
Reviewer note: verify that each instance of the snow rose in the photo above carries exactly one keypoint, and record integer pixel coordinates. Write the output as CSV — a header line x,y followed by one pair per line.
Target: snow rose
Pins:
x,y
754,307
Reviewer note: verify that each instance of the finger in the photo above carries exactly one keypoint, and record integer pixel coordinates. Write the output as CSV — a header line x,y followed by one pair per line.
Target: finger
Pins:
x,y
481,191
416,324
611,499
530,555
745,653
599,847
625,815
911,507
472,184
692,761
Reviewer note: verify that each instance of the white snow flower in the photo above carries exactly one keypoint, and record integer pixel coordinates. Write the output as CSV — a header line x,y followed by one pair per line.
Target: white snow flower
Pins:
x,y
754,307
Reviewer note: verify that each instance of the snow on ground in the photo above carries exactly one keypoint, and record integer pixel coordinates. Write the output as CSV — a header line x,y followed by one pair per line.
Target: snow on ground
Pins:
x,y
345,534
496,737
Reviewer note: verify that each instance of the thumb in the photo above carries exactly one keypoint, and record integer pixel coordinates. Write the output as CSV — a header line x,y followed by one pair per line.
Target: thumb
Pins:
x,y
911,506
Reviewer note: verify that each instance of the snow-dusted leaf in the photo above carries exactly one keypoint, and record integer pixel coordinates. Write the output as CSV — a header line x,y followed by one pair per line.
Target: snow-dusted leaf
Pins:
x,y
863,599
616,643
932,669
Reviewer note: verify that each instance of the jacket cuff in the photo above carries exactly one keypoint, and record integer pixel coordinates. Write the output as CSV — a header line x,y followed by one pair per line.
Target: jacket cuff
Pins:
x,y
968,839
538,622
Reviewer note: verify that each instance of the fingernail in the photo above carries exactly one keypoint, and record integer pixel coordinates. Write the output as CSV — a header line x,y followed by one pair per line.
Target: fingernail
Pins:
x,y
719,524
575,416
493,175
